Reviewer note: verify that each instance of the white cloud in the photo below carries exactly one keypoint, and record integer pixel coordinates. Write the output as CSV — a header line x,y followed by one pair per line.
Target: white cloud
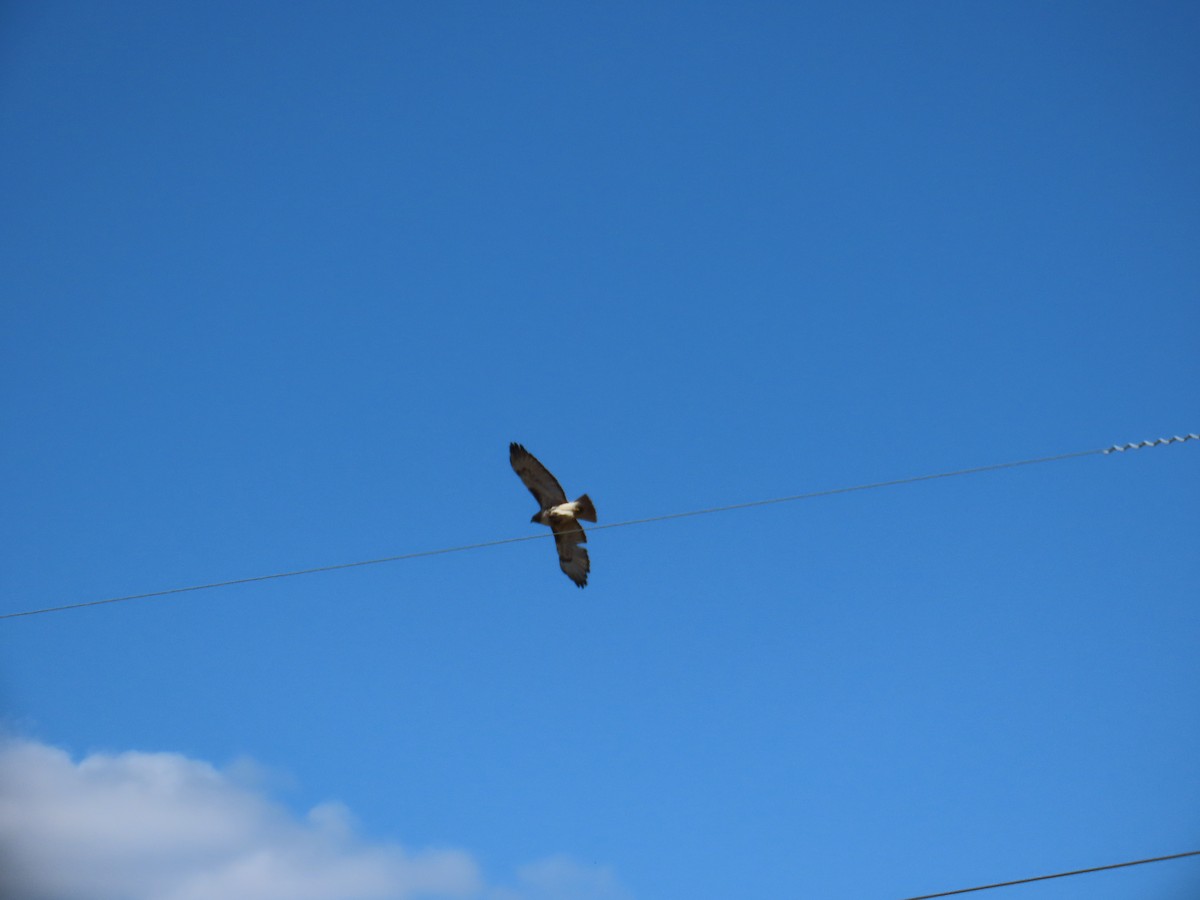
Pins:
x,y
161,826
562,878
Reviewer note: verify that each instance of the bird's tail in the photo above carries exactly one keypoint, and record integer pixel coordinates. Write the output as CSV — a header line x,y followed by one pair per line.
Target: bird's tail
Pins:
x,y
584,509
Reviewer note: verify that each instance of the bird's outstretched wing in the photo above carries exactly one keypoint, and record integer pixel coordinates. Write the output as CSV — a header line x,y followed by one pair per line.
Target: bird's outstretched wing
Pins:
x,y
572,555
545,488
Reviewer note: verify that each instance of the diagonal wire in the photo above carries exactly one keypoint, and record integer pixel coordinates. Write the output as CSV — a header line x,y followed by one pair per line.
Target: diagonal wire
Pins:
x,y
999,884
829,492
275,575
811,495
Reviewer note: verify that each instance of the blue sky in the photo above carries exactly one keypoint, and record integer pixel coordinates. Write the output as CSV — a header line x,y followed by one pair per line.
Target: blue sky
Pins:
x,y
283,280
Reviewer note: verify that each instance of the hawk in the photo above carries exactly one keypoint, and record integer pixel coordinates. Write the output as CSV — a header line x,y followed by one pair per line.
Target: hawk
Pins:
x,y
555,511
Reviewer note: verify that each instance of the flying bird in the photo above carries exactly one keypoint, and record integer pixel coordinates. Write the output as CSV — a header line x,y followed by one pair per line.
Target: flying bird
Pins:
x,y
555,511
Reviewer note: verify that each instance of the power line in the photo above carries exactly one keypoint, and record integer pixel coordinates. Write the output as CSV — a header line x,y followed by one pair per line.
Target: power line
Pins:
x,y
999,884
1116,448
253,578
